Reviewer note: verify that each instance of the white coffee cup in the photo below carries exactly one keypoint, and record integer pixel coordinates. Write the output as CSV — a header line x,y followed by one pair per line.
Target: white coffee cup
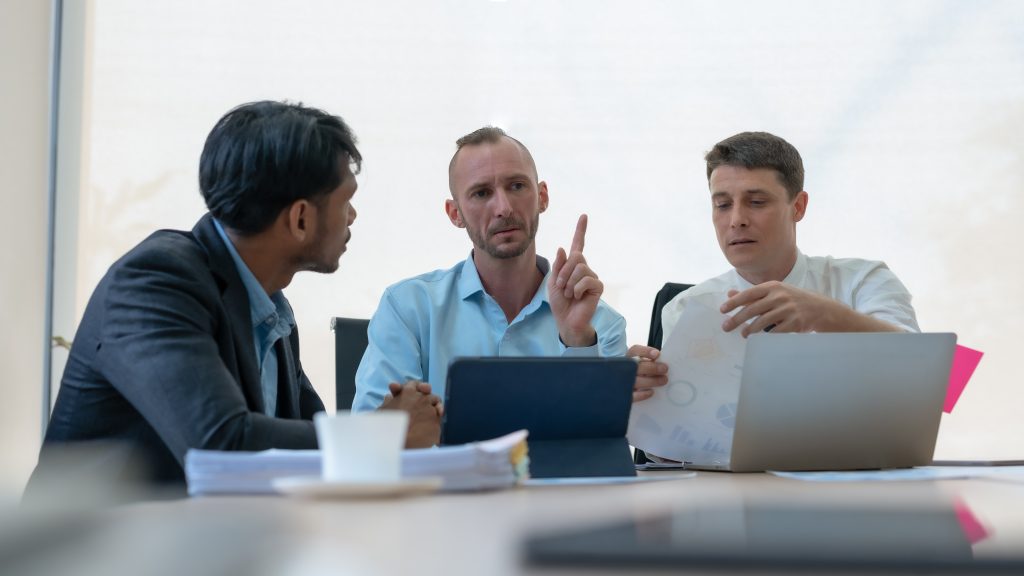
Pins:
x,y
361,446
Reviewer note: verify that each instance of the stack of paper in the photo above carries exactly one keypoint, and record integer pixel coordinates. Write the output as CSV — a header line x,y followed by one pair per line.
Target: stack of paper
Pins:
x,y
496,463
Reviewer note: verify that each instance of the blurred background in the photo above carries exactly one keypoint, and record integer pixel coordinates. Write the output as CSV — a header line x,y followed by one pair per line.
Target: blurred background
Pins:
x,y
908,114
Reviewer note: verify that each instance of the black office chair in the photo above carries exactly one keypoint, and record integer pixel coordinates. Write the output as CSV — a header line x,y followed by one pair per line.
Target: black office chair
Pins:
x,y
350,342
669,291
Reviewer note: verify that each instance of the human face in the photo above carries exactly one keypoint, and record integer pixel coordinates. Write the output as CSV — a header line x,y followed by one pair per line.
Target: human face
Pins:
x,y
755,221
335,214
497,198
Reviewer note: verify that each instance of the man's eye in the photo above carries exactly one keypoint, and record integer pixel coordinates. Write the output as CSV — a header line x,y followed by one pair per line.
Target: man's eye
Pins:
x,y
721,206
757,202
518,185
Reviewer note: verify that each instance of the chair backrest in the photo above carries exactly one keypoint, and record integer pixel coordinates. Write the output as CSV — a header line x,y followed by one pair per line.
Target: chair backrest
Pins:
x,y
669,291
350,342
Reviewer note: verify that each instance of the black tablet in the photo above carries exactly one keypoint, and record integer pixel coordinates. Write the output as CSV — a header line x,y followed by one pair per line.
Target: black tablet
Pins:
x,y
576,410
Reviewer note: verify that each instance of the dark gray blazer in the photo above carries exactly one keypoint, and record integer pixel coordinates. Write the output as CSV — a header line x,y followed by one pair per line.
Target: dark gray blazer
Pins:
x,y
164,361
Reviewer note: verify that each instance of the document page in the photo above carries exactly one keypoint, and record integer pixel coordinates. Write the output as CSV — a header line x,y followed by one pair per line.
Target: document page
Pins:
x,y
692,417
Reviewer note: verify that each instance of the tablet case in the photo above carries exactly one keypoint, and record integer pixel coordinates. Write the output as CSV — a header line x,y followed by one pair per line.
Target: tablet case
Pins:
x,y
576,410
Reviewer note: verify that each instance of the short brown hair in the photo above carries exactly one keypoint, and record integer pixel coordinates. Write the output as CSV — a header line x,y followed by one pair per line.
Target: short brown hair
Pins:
x,y
753,150
485,135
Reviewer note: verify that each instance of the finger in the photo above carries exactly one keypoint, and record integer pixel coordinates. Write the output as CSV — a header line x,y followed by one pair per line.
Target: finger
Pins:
x,y
394,388
742,298
556,269
575,271
440,409
770,322
565,274
650,382
412,386
423,387
641,395
650,368
749,312
580,235
588,286
643,352
578,270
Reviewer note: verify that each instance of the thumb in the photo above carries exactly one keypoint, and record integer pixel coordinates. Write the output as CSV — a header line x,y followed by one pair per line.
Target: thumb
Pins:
x,y
556,268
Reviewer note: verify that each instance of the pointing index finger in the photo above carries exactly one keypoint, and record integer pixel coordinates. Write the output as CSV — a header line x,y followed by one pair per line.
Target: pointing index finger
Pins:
x,y
581,232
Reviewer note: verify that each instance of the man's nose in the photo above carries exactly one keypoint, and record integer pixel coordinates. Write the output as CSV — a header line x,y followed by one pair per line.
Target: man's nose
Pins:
x,y
351,214
500,204
739,217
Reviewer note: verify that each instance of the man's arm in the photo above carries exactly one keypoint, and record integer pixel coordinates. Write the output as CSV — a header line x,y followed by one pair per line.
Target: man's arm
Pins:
x,y
158,348
881,295
393,354
778,307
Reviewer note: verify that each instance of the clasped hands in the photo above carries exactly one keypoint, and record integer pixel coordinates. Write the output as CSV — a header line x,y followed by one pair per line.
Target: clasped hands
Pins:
x,y
424,408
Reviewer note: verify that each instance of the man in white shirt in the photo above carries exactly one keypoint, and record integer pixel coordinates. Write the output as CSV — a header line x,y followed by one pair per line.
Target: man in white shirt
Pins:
x,y
757,197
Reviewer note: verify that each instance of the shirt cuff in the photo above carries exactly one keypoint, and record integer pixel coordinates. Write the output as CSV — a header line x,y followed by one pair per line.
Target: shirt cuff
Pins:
x,y
579,351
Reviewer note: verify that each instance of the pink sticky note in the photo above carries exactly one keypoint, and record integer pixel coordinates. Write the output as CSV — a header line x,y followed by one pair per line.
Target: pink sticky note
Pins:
x,y
973,529
965,360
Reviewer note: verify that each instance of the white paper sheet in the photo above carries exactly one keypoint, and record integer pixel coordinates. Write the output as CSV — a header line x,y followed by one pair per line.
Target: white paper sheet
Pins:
x,y
692,418
1007,473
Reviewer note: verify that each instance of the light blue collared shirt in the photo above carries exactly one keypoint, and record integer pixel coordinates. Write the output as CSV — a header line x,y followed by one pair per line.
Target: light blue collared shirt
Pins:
x,y
425,322
272,319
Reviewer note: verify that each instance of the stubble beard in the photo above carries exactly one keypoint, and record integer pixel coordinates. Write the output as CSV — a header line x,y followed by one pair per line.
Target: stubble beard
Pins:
x,y
315,260
506,251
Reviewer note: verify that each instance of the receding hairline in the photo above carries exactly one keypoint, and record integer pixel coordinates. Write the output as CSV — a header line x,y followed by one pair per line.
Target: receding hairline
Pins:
x,y
488,135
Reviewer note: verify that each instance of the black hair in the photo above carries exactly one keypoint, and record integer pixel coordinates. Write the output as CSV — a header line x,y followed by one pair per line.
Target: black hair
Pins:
x,y
261,157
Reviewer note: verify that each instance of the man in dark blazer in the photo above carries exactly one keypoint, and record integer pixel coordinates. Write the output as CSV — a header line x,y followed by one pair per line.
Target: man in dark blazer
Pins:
x,y
188,342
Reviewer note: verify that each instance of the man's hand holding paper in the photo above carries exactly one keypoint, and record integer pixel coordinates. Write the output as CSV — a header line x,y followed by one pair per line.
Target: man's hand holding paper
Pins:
x,y
694,414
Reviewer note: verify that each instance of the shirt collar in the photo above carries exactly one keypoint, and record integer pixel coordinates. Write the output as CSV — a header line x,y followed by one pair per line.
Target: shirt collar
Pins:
x,y
469,279
794,276
799,269
261,306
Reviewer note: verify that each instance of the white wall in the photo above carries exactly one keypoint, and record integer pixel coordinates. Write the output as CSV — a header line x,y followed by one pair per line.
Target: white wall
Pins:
x,y
24,124
907,114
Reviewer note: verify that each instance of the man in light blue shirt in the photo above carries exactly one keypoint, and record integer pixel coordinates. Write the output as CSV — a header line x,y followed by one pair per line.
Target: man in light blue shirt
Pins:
x,y
503,300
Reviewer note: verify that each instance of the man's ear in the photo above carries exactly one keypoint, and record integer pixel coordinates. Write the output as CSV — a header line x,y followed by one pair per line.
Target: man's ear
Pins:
x,y
301,220
800,206
542,193
451,208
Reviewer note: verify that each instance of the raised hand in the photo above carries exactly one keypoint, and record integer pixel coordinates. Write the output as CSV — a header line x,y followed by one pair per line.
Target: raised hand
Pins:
x,y
574,291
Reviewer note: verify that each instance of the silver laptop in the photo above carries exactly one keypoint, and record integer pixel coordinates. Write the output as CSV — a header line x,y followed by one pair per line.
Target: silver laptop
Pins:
x,y
839,401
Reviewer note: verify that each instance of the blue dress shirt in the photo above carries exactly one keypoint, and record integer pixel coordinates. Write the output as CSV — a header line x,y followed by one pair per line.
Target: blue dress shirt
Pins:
x,y
425,322
272,320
